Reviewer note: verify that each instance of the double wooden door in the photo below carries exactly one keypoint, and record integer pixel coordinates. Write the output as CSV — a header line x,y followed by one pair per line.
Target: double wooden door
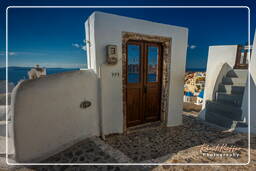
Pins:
x,y
143,83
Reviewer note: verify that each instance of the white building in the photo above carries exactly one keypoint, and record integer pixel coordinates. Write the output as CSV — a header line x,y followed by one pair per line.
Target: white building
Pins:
x,y
200,98
227,87
36,72
56,111
188,97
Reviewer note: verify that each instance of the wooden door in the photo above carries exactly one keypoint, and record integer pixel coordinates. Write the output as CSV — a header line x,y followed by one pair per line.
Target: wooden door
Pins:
x,y
143,89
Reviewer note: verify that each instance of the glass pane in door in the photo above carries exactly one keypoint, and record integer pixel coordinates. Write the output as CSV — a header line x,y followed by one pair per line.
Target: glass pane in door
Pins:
x,y
152,72
133,69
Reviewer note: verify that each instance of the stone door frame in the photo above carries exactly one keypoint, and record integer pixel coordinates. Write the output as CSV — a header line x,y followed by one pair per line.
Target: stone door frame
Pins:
x,y
166,45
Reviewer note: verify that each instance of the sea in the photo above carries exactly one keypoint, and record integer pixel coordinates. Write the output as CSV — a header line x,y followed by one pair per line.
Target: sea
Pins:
x,y
15,74
195,69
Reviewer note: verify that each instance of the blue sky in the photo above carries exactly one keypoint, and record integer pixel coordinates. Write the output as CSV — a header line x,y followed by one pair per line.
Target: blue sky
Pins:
x,y
54,37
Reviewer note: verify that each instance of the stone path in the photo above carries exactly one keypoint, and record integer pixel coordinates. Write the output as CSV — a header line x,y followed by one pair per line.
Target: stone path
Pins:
x,y
150,144
159,142
145,145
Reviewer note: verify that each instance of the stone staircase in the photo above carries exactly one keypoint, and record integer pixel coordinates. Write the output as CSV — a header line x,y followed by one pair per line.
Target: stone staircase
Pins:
x,y
225,110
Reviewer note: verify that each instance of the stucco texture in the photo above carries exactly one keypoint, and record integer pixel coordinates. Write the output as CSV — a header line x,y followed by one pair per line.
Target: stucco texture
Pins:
x,y
107,29
252,90
47,113
221,59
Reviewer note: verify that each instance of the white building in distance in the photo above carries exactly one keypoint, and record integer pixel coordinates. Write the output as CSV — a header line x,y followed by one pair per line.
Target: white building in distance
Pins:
x,y
36,72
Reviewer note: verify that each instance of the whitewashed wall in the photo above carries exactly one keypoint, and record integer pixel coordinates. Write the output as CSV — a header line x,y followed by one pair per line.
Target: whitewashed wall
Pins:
x,y
220,60
107,29
47,114
252,89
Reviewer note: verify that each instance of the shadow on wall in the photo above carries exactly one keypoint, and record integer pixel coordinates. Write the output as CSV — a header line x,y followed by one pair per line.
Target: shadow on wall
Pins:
x,y
48,115
245,104
253,107
212,95
224,70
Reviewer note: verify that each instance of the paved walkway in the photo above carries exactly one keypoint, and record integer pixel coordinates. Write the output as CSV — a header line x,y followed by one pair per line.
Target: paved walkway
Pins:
x,y
162,142
150,144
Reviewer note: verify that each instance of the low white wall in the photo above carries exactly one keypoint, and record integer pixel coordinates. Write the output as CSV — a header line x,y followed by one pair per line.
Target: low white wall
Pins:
x,y
107,29
252,88
220,58
47,114
3,112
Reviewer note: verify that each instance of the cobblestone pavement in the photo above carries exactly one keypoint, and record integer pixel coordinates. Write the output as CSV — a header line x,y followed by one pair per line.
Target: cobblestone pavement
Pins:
x,y
86,151
152,143
159,144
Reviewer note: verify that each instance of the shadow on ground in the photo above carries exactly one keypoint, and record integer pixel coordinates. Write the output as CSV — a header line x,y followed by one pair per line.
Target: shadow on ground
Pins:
x,y
157,142
150,144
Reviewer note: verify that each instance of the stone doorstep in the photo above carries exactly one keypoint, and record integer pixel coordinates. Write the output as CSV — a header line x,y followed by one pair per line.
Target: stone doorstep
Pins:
x,y
143,127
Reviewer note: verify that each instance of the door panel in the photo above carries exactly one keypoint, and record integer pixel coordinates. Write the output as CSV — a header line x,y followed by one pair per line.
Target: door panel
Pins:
x,y
144,73
134,106
152,109
152,83
134,83
134,61
152,64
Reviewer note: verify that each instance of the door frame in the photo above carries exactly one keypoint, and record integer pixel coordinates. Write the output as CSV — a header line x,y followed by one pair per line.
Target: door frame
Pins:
x,y
238,64
166,61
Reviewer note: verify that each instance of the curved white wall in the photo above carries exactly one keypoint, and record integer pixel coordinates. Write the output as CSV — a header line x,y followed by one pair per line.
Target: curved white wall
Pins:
x,y
218,56
252,88
47,114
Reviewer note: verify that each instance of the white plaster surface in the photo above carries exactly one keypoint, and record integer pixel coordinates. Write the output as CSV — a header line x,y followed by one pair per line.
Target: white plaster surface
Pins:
x,y
220,59
47,113
3,112
107,29
252,88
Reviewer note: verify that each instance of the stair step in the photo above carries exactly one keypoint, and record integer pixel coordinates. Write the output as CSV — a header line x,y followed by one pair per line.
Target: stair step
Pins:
x,y
237,73
234,81
219,120
230,89
232,99
3,128
229,111
242,124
